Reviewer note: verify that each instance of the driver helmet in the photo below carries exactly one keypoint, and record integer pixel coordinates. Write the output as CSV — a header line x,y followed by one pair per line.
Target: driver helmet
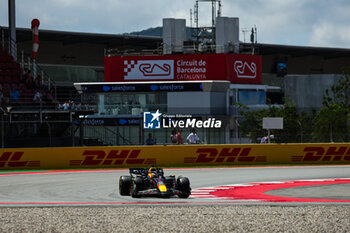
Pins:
x,y
152,172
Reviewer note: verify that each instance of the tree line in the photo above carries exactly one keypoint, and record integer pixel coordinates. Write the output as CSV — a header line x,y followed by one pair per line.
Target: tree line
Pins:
x,y
330,124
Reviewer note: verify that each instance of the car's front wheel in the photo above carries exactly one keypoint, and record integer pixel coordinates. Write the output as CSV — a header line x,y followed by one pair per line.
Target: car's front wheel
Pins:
x,y
183,185
124,185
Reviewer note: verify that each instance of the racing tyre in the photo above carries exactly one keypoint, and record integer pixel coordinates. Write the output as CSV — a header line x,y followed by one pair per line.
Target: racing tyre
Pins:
x,y
136,186
183,185
124,185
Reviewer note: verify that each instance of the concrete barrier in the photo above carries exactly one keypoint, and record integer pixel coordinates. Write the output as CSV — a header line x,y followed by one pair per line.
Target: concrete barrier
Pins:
x,y
173,155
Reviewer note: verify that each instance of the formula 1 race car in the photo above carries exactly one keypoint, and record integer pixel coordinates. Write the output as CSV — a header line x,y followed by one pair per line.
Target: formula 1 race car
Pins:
x,y
152,182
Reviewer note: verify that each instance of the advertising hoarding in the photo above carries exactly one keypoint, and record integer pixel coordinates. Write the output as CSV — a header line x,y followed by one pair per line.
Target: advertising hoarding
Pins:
x,y
236,68
176,155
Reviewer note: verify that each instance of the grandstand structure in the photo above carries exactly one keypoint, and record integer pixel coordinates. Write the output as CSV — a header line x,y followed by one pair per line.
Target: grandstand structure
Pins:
x,y
54,121
31,115
71,74
66,58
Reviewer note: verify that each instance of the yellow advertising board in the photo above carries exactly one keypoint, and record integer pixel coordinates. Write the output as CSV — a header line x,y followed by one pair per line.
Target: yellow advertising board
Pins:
x,y
173,155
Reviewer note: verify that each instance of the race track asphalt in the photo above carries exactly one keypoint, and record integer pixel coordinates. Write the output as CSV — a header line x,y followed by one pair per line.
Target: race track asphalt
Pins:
x,y
100,187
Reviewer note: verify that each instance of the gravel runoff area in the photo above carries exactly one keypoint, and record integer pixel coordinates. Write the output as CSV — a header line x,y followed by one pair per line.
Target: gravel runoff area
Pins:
x,y
325,218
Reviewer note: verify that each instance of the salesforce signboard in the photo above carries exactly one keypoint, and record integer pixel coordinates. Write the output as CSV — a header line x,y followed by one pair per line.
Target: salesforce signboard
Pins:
x,y
93,120
168,87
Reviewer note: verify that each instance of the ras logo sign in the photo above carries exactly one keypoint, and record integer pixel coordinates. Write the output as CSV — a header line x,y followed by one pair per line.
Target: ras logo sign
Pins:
x,y
151,120
148,69
245,70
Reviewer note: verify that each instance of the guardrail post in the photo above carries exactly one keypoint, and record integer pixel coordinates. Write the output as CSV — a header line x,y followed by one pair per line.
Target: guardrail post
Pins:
x,y
2,131
34,70
22,59
29,63
2,38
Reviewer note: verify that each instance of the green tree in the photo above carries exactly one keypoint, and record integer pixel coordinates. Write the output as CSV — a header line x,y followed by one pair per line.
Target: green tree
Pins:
x,y
331,122
297,127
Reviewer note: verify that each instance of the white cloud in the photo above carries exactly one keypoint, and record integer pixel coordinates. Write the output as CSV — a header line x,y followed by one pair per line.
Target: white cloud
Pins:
x,y
294,22
332,29
330,35
277,21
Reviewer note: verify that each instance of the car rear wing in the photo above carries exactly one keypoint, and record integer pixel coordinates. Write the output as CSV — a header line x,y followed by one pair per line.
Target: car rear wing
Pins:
x,y
138,171
144,171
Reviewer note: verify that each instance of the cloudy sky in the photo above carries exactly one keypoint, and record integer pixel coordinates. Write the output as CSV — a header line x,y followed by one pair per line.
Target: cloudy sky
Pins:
x,y
323,23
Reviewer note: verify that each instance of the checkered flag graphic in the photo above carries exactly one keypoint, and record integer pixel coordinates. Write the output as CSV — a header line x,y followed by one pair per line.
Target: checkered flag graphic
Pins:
x,y
129,65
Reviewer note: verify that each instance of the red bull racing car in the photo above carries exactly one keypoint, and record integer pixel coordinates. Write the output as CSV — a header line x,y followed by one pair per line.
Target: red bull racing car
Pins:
x,y
152,182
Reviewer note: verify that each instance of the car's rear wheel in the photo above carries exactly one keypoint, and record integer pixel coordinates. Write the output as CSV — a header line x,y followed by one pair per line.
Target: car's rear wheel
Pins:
x,y
124,185
183,185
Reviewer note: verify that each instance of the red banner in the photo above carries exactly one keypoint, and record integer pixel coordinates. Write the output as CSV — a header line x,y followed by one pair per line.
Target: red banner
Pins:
x,y
235,68
244,68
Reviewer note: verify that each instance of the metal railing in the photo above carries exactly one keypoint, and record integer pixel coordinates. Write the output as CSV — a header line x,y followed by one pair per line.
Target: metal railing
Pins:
x,y
133,52
26,101
194,48
107,135
10,45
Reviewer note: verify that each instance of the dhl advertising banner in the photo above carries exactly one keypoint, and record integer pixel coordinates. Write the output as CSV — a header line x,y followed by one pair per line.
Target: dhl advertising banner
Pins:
x,y
236,68
173,155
